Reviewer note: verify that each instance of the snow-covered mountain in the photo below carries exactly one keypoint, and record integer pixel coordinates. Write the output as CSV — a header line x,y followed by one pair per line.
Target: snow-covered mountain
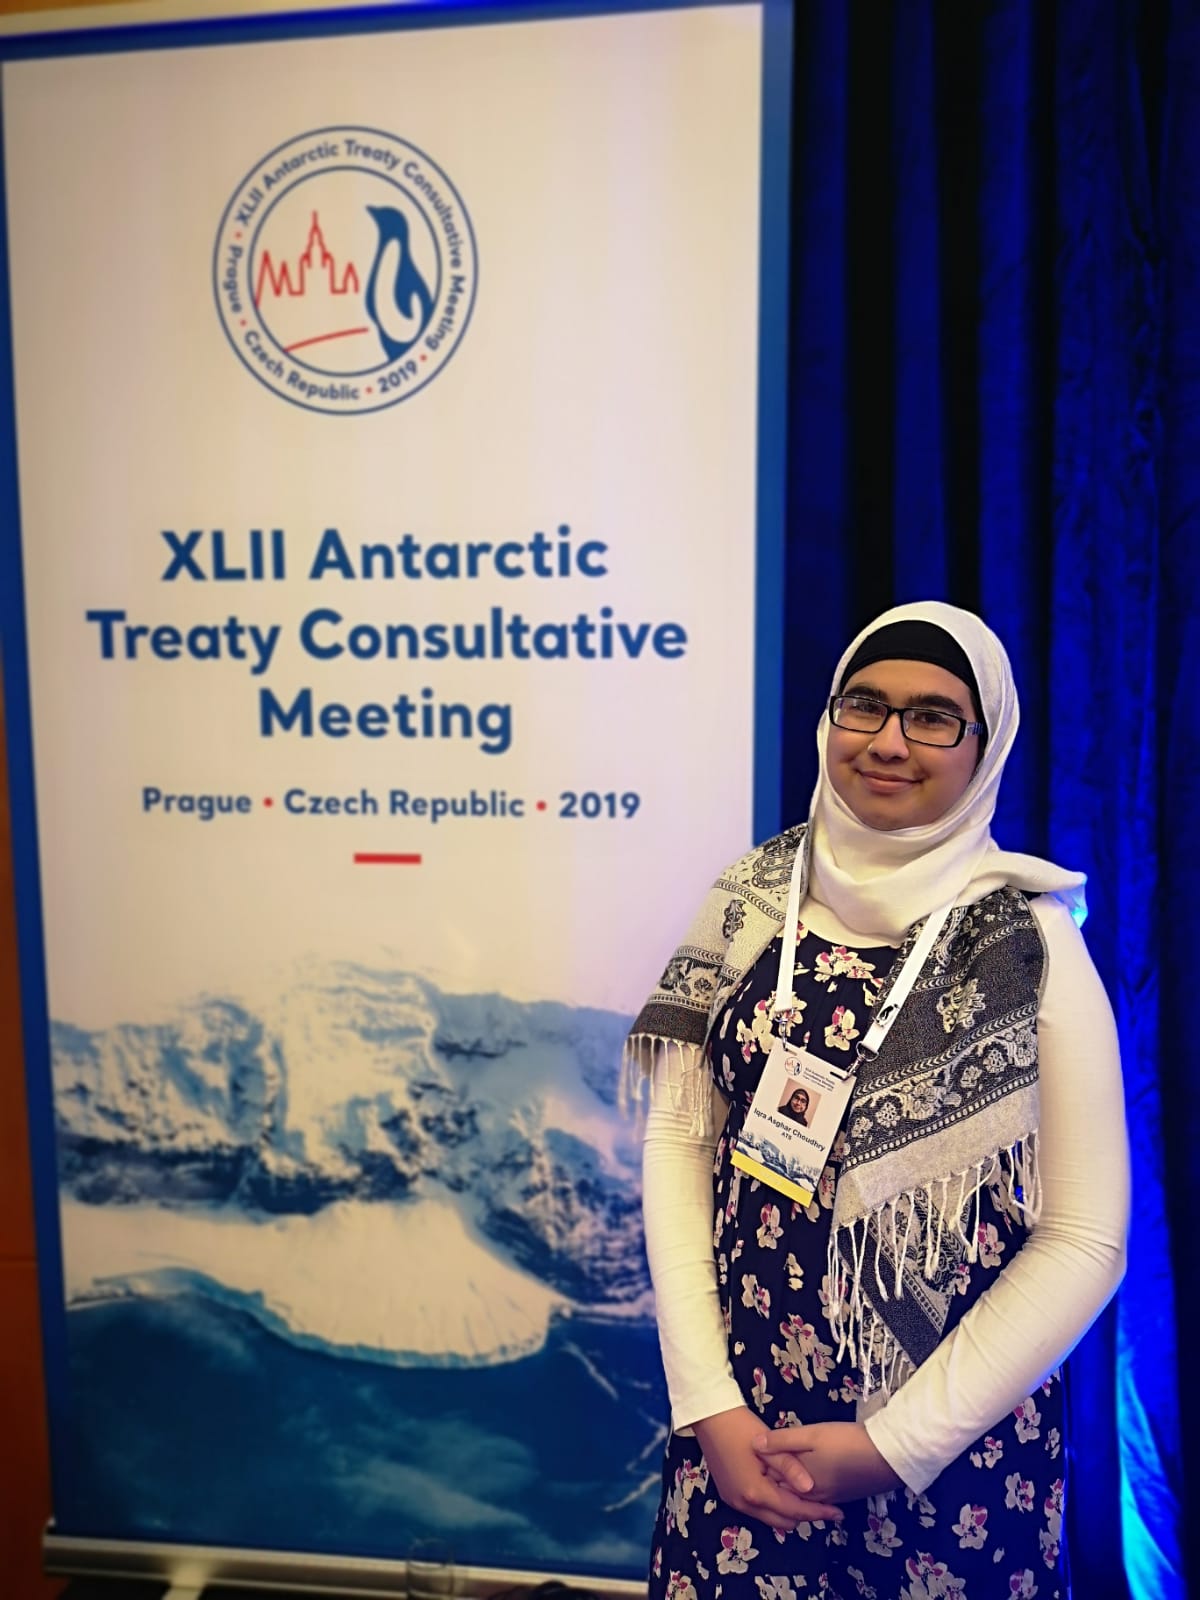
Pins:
x,y
350,1088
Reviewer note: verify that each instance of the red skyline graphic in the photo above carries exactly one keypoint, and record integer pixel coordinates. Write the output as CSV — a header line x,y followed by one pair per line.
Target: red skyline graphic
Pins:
x,y
318,262
316,257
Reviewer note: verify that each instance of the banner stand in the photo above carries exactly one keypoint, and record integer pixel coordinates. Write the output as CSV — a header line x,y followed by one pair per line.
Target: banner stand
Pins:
x,y
357,721
190,1568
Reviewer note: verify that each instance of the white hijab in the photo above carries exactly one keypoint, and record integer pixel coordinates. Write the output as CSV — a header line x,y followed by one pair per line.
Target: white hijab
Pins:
x,y
883,882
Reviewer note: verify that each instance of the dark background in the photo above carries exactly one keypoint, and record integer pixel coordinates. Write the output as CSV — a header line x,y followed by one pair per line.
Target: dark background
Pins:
x,y
995,400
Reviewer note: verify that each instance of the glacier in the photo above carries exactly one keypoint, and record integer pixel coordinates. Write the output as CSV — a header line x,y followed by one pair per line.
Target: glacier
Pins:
x,y
404,1284
359,1158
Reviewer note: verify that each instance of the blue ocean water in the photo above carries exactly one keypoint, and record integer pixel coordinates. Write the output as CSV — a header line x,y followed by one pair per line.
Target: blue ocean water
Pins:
x,y
190,1422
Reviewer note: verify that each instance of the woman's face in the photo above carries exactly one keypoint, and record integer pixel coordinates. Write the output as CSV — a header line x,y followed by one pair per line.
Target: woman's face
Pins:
x,y
890,782
799,1102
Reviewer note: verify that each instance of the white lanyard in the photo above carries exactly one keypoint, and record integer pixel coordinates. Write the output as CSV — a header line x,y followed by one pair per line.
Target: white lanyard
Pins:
x,y
785,998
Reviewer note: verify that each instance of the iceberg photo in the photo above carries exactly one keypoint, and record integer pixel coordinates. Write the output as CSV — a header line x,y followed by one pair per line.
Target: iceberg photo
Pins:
x,y
376,1245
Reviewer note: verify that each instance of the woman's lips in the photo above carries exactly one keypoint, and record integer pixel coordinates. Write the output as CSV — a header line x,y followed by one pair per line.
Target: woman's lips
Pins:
x,y
885,782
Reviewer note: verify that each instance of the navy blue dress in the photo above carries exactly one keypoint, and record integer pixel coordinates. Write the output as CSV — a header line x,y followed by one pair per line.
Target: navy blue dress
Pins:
x,y
991,1525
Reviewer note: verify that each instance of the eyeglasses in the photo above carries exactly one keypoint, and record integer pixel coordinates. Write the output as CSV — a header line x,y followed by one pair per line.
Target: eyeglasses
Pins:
x,y
860,713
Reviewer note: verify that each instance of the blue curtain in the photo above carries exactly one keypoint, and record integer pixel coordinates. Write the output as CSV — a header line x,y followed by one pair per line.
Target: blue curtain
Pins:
x,y
995,400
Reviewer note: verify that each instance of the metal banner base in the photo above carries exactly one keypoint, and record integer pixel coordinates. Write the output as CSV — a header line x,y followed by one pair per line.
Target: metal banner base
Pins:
x,y
190,1569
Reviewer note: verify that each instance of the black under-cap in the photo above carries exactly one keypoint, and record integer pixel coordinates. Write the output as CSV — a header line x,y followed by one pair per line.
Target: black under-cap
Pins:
x,y
914,640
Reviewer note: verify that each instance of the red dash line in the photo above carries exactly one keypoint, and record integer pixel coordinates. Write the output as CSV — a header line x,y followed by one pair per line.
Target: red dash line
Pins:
x,y
364,858
346,333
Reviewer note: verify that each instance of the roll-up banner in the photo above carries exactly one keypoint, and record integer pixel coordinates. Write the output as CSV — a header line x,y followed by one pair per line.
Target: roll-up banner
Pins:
x,y
391,471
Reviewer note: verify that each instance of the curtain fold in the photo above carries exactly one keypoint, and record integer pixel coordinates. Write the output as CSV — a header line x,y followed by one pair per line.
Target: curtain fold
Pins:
x,y
995,399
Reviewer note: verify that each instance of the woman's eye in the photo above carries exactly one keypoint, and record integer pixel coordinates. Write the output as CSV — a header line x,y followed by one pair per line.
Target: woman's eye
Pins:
x,y
924,717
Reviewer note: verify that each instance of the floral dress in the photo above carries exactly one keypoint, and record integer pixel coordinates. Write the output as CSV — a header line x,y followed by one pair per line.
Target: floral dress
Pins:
x,y
990,1526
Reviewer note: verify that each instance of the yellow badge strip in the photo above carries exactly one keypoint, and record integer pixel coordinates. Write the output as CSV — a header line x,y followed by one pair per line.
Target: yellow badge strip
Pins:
x,y
794,1191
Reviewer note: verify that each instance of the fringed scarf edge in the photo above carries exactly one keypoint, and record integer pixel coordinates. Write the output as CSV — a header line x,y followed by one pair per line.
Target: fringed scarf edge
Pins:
x,y
683,1078
860,1329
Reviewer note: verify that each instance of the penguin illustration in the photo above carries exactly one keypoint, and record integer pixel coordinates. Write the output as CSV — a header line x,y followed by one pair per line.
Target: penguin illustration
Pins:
x,y
398,300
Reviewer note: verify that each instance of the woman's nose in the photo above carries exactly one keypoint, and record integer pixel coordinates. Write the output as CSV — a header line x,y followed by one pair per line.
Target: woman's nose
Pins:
x,y
889,743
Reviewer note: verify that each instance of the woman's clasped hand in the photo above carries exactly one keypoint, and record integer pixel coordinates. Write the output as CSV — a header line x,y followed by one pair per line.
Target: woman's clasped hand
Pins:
x,y
776,1490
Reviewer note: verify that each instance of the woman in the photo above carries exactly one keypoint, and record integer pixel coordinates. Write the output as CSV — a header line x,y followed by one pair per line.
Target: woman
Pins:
x,y
795,1105
863,1384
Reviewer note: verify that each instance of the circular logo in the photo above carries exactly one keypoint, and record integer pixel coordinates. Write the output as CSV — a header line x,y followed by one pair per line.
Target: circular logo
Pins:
x,y
345,270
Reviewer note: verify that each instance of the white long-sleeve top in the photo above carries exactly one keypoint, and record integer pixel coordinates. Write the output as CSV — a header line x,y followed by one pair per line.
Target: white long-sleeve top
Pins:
x,y
1026,1321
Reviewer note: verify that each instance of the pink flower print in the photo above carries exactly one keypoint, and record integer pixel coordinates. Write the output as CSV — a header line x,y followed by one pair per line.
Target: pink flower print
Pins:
x,y
789,1371
840,962
1021,1585
656,1564
960,1279
1053,1442
1028,1421
802,1332
826,1184
758,1035
737,1550
680,1587
775,1588
971,1527
801,1346
1054,1500
922,1566
856,967
795,1272
756,1295
759,1392
841,1030
990,1247
865,1589
771,1231
688,1478
923,1505
1049,1544
880,1537
1019,1495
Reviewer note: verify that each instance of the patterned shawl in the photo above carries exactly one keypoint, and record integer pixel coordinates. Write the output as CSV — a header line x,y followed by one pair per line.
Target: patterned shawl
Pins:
x,y
948,1107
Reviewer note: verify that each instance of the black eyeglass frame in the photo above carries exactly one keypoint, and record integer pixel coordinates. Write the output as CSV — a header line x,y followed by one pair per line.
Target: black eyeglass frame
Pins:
x,y
964,727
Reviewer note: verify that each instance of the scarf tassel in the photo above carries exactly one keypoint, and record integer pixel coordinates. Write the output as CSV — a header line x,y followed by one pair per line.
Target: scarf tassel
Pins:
x,y
653,1067
930,1212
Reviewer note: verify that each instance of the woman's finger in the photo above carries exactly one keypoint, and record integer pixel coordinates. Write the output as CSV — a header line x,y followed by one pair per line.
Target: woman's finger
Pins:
x,y
777,1503
782,1441
789,1470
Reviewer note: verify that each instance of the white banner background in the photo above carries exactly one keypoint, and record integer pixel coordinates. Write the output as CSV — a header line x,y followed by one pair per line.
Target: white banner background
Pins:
x,y
608,380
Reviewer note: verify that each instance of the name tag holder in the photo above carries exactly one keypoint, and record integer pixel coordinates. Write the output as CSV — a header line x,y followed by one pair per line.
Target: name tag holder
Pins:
x,y
801,1100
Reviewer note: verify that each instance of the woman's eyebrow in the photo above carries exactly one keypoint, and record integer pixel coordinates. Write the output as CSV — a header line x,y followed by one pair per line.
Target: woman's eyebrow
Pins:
x,y
936,702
